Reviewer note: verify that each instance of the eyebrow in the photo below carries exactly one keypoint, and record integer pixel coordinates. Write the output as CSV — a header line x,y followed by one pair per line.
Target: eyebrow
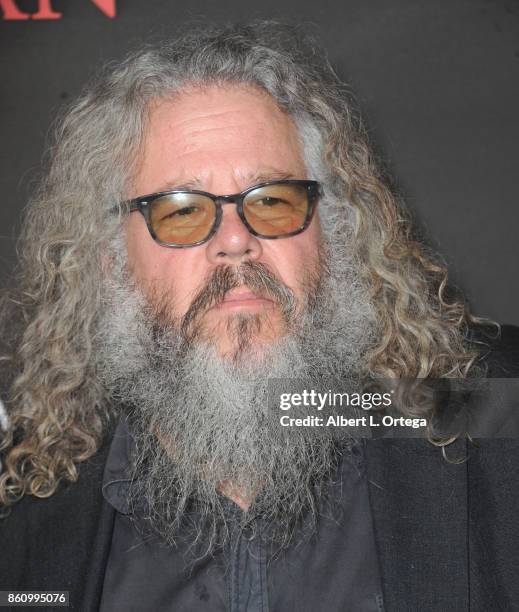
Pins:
x,y
251,180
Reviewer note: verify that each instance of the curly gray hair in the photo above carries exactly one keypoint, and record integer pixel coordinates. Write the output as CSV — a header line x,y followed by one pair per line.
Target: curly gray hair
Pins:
x,y
57,406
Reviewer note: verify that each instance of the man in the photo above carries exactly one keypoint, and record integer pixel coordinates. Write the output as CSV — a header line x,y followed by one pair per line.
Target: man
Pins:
x,y
212,220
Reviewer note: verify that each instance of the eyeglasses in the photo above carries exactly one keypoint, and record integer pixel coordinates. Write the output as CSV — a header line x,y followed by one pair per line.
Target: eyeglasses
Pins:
x,y
184,218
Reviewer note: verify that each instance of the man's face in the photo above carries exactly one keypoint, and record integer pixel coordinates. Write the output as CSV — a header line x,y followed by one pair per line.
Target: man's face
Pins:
x,y
221,140
217,431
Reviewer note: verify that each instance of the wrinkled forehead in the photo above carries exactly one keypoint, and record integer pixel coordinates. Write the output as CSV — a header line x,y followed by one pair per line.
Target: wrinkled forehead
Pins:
x,y
202,134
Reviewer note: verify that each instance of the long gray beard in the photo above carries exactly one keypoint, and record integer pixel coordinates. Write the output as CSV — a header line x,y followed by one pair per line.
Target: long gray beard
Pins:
x,y
211,414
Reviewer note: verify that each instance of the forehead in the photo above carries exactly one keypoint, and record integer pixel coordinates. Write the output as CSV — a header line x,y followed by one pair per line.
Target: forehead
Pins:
x,y
202,135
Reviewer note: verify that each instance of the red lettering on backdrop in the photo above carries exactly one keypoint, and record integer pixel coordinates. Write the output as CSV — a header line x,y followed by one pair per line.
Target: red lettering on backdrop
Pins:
x,y
13,13
45,11
107,6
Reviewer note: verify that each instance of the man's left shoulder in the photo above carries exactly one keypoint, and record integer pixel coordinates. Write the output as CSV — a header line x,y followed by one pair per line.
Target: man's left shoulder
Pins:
x,y
498,349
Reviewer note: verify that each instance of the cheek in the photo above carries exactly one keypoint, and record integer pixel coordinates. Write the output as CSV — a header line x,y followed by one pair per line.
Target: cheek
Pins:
x,y
180,271
143,253
297,256
186,275
291,267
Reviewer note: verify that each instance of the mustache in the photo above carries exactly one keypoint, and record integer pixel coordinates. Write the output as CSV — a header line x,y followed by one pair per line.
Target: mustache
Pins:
x,y
253,275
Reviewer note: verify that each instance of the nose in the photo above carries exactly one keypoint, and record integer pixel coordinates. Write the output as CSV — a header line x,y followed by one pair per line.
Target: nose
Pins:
x,y
233,243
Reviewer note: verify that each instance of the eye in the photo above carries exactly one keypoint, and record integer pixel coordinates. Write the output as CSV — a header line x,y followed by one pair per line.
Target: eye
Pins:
x,y
269,201
185,211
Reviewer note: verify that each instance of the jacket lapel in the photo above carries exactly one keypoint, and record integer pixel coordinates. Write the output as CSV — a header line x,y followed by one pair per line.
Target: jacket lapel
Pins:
x,y
93,586
91,521
419,508
89,586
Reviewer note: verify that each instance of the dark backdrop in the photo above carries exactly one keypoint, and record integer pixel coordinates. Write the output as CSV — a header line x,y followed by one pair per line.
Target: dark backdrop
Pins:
x,y
437,81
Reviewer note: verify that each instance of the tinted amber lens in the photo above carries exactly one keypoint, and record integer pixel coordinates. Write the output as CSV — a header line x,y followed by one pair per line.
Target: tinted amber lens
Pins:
x,y
182,218
275,210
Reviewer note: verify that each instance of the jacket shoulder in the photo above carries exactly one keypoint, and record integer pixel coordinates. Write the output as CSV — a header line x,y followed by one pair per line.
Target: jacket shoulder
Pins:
x,y
49,539
498,349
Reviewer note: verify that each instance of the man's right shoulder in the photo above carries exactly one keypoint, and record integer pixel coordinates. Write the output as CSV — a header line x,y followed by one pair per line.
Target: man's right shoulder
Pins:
x,y
68,494
46,541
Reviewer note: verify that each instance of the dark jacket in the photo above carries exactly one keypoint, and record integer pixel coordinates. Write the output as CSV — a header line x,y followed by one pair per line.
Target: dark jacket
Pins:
x,y
447,533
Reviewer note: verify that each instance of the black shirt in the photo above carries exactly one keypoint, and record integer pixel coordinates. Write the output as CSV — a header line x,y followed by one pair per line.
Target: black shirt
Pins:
x,y
336,569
